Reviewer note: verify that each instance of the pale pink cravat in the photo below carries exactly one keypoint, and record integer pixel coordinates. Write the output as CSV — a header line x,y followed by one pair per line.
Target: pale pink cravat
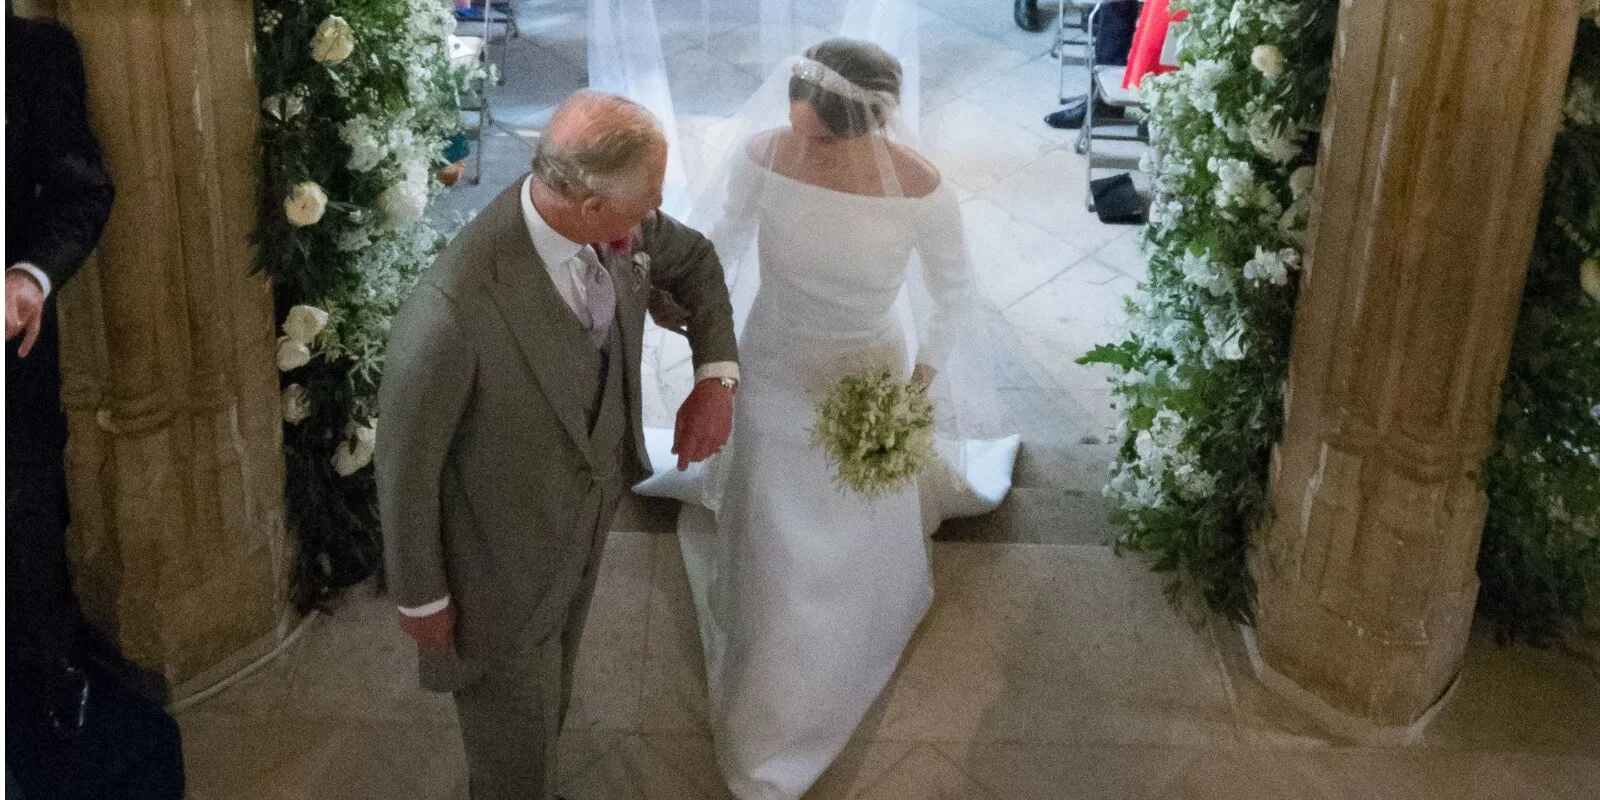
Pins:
x,y
599,297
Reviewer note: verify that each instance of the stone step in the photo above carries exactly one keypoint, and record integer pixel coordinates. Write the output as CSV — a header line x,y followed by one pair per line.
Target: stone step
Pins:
x,y
1033,515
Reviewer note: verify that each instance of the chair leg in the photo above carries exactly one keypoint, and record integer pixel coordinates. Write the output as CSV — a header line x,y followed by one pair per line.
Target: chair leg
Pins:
x,y
1061,53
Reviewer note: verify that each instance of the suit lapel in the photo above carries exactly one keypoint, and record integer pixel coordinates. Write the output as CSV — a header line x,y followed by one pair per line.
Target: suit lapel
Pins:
x,y
545,329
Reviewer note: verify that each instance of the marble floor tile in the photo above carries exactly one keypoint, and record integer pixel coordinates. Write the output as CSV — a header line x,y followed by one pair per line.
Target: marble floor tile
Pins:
x,y
975,149
956,59
862,764
1123,253
1035,772
1024,95
982,17
1050,194
925,774
1018,648
231,757
720,87
358,665
1011,256
539,74
644,768
1093,271
756,50
1077,309
1520,700
674,700
611,657
1038,516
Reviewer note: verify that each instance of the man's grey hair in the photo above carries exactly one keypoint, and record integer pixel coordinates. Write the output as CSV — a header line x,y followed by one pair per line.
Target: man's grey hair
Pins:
x,y
600,151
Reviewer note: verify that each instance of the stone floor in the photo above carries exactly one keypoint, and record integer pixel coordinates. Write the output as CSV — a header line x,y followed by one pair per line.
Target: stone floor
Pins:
x,y
1043,672
1048,667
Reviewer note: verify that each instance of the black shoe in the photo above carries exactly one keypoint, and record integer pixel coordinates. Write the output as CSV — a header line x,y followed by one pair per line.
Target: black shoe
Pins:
x,y
1070,117
1027,16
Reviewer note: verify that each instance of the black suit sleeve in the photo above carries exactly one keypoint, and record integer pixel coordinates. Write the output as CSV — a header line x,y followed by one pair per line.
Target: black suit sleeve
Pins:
x,y
74,192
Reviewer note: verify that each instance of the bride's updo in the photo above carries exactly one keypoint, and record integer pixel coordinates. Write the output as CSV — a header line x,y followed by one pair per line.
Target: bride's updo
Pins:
x,y
865,103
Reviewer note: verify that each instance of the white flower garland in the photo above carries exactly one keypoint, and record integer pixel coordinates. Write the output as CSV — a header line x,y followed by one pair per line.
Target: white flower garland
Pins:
x,y
1198,377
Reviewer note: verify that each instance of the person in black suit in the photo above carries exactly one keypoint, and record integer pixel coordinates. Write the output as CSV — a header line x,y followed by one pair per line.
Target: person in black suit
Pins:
x,y
1113,39
76,726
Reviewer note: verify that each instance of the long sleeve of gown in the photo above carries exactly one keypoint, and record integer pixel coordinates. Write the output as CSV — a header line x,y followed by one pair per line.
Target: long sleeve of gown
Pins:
x,y
947,291
736,224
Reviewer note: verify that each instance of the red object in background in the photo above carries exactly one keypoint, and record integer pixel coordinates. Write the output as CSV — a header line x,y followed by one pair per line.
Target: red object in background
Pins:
x,y
1149,40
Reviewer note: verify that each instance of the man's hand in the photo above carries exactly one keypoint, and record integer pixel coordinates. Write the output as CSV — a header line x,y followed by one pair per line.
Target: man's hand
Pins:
x,y
704,422
24,309
436,631
923,375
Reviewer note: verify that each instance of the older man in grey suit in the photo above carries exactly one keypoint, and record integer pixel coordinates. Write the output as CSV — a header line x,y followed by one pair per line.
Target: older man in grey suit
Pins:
x,y
511,424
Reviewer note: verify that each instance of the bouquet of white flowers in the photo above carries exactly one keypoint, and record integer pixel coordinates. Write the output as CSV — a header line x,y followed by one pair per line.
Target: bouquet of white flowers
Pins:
x,y
878,430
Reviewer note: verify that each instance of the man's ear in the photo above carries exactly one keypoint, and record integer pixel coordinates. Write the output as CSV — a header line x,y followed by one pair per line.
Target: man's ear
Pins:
x,y
592,204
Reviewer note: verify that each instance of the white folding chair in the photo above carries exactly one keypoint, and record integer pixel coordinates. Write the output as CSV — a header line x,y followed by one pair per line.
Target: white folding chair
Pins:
x,y
1079,11
1105,88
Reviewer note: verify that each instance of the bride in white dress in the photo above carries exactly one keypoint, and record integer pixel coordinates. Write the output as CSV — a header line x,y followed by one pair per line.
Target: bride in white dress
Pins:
x,y
807,593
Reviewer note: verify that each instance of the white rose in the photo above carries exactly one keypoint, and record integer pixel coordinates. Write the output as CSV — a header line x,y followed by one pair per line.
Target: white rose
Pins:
x,y
355,452
1300,181
1268,59
404,203
334,41
292,354
1589,277
1232,347
284,106
304,323
296,404
306,204
1582,106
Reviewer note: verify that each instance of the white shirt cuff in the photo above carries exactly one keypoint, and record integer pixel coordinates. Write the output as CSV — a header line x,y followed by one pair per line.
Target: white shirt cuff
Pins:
x,y
38,275
427,610
717,369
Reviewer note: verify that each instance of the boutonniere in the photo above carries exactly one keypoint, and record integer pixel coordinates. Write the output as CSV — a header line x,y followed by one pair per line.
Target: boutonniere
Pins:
x,y
629,247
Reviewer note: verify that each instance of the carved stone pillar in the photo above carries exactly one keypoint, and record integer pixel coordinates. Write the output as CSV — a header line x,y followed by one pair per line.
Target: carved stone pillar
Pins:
x,y
1437,133
175,461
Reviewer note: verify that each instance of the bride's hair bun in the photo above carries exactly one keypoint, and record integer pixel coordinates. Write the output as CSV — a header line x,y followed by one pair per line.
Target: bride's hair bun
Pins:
x,y
868,68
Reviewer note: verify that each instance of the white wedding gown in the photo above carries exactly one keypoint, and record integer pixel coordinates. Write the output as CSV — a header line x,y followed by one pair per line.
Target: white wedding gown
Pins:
x,y
807,594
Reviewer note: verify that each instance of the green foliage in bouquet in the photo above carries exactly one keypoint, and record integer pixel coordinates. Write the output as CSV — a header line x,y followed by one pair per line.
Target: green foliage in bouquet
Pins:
x,y
359,99
1540,562
1199,377
878,430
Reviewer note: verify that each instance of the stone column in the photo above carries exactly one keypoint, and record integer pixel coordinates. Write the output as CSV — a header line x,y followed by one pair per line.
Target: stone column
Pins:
x,y
175,462
1437,133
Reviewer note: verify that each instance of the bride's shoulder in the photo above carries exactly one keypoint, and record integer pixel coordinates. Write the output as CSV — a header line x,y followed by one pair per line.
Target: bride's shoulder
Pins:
x,y
763,148
918,176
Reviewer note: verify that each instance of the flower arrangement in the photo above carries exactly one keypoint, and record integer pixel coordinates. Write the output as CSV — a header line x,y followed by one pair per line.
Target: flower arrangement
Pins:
x,y
359,100
877,430
1199,377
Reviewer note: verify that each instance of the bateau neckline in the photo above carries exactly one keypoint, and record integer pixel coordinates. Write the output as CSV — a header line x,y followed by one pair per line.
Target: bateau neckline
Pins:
x,y
938,187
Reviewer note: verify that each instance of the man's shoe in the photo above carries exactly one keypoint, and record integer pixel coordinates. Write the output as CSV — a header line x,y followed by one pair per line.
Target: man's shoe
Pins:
x,y
1070,117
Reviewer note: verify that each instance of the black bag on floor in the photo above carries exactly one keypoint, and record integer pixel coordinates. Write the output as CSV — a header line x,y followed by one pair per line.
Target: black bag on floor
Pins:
x,y
1116,200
